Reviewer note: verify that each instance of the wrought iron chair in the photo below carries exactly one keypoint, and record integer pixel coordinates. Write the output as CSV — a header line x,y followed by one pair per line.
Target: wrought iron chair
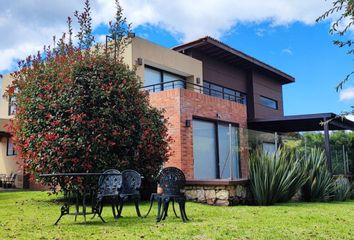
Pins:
x,y
130,190
108,188
2,180
172,180
9,181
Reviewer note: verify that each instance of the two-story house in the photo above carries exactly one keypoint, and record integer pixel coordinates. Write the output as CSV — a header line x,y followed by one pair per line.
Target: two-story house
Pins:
x,y
211,94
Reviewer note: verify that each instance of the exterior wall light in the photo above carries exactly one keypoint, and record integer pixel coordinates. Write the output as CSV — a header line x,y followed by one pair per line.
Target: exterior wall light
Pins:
x,y
139,61
188,123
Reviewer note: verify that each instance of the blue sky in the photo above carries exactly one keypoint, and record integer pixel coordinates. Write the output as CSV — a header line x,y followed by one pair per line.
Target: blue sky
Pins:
x,y
281,33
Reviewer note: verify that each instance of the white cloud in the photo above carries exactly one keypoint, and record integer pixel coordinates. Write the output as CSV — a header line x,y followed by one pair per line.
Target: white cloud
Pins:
x,y
347,94
350,117
27,25
287,51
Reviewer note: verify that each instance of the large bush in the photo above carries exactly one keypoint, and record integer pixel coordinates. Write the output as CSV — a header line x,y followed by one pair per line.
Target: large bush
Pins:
x,y
275,177
319,185
81,109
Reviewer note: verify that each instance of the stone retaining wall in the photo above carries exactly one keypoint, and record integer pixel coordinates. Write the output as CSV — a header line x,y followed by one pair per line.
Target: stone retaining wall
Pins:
x,y
225,194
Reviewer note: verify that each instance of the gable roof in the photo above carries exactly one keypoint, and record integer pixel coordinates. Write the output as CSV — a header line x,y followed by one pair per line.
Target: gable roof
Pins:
x,y
230,55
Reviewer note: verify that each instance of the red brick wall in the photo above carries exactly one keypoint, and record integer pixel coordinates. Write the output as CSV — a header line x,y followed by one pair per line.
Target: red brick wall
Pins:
x,y
182,105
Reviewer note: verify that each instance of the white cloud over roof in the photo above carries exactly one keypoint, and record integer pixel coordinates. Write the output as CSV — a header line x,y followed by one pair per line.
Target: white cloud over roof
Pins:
x,y
347,94
25,26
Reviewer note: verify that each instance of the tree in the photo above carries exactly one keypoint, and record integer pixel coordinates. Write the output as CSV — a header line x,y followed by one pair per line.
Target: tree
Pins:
x,y
341,27
80,109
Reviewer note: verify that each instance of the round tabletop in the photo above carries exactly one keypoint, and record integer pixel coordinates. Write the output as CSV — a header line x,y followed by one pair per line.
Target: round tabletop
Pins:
x,y
76,174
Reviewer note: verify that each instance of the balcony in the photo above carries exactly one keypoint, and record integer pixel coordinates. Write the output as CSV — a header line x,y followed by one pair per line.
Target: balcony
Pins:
x,y
207,89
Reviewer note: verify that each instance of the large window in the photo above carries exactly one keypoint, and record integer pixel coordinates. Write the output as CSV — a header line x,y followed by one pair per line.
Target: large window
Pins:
x,y
268,102
223,92
10,148
215,150
156,80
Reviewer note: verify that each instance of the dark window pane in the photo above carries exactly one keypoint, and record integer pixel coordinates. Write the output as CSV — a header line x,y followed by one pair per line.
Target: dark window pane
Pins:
x,y
268,102
216,91
152,77
12,105
10,148
175,81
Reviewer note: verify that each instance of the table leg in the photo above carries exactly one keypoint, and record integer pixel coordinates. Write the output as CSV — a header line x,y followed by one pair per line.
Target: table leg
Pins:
x,y
77,205
84,206
63,211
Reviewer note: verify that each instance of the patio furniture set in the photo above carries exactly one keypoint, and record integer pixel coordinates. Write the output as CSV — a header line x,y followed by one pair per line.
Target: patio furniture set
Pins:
x,y
117,188
7,181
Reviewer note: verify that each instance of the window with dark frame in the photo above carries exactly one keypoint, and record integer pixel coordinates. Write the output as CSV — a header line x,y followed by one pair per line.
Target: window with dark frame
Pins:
x,y
10,151
268,102
12,105
156,80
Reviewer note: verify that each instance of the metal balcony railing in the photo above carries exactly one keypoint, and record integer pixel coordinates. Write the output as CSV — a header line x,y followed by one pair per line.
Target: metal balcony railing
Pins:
x,y
179,83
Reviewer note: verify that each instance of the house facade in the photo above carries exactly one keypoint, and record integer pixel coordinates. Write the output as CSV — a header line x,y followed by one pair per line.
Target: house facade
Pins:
x,y
209,92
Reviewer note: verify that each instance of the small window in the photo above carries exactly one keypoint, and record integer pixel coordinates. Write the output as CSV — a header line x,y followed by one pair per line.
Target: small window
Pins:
x,y
12,105
10,148
268,102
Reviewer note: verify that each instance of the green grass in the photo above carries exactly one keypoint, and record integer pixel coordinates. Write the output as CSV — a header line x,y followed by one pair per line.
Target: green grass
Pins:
x,y
30,215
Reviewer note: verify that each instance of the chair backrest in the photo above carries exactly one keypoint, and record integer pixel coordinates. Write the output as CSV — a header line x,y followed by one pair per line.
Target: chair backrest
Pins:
x,y
172,180
131,181
13,176
109,185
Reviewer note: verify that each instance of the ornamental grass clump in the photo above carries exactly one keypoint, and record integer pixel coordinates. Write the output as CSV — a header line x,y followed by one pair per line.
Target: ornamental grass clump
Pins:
x,y
81,109
342,189
319,185
275,177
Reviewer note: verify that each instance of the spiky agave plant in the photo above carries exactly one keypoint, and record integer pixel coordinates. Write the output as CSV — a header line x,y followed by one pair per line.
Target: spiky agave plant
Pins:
x,y
275,177
342,188
319,185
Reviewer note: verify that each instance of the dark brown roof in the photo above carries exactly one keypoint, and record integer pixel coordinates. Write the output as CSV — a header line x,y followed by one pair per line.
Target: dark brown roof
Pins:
x,y
301,123
228,54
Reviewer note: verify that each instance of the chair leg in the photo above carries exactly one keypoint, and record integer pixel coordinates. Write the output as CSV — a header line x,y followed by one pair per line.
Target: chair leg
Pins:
x,y
152,197
113,209
159,202
173,207
165,209
184,210
181,211
136,201
121,203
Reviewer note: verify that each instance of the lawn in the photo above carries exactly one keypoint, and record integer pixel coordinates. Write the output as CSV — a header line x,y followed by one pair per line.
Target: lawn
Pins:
x,y
30,215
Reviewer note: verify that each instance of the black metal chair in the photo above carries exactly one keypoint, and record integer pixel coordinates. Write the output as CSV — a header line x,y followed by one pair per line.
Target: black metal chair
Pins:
x,y
108,188
2,180
130,190
9,181
172,180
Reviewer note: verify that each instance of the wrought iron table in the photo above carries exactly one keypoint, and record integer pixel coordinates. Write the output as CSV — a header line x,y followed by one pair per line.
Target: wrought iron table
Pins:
x,y
82,192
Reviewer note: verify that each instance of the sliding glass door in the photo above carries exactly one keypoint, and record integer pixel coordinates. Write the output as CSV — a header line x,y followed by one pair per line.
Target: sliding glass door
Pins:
x,y
215,150
204,151
228,151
